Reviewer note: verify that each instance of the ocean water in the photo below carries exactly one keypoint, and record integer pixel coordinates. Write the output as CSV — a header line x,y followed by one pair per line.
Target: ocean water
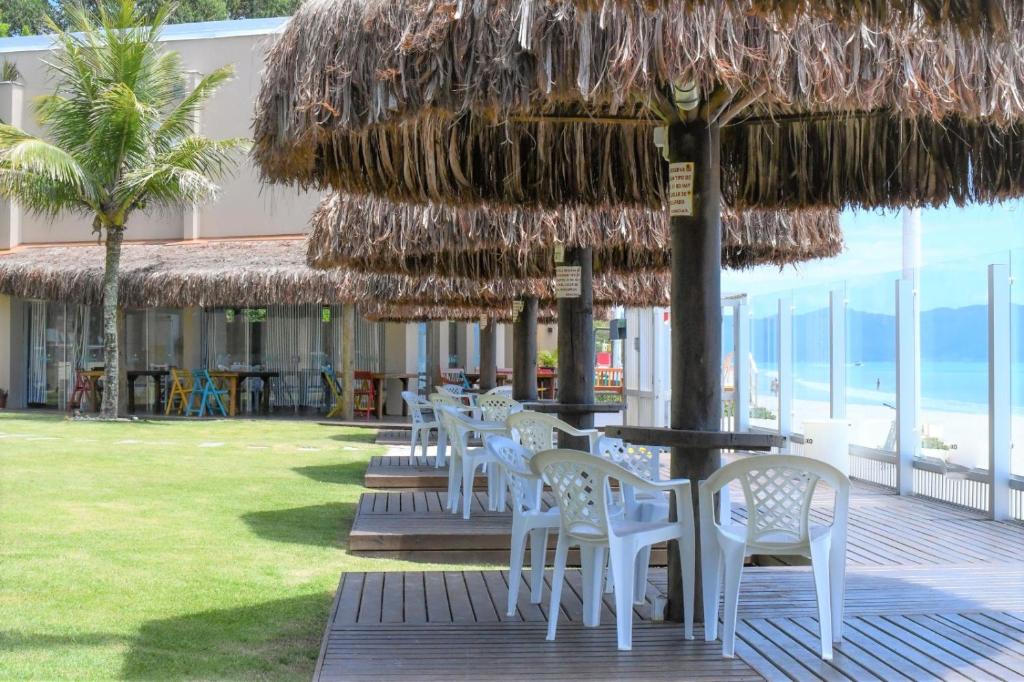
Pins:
x,y
945,386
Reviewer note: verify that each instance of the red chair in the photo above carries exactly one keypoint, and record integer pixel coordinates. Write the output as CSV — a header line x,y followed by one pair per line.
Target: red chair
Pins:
x,y
82,389
364,397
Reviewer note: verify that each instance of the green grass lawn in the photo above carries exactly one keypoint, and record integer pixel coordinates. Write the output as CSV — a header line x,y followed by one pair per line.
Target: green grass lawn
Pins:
x,y
173,549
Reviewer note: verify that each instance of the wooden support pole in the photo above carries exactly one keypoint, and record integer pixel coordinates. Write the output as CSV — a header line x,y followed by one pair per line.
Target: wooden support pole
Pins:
x,y
346,373
576,348
696,325
524,352
488,355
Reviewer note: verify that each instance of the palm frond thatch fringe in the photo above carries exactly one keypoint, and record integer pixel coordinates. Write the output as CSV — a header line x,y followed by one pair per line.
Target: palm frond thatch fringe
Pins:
x,y
966,16
484,101
257,273
483,243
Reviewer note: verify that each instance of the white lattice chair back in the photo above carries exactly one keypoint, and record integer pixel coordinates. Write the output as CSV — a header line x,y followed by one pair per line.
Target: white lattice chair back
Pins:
x,y
579,482
642,460
515,460
497,408
415,407
445,400
778,490
500,390
452,389
535,431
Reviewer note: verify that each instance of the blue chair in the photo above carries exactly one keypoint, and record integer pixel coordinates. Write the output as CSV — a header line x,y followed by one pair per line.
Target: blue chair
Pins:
x,y
205,395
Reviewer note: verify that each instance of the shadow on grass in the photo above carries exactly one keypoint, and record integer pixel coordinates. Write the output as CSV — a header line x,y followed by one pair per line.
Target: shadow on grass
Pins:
x,y
362,436
350,472
321,525
274,640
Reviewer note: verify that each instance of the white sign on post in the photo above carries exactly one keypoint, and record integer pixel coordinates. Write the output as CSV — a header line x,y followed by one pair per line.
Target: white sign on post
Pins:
x,y
517,307
567,281
483,322
559,253
680,189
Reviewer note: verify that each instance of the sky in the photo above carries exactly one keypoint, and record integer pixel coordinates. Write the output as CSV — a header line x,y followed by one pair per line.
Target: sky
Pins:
x,y
957,244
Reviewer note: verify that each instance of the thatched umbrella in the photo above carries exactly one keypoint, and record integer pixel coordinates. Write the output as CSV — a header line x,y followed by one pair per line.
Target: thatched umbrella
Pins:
x,y
495,244
550,105
364,233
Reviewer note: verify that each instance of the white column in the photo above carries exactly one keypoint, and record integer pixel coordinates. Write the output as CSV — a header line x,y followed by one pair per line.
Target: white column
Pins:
x,y
785,366
661,381
13,350
912,273
10,215
999,360
741,364
837,353
908,439
191,214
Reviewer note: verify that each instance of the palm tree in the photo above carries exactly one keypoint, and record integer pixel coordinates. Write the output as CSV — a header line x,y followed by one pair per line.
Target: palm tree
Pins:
x,y
120,138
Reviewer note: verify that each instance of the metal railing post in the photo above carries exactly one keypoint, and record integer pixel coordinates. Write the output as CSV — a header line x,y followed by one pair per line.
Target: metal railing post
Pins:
x,y
999,360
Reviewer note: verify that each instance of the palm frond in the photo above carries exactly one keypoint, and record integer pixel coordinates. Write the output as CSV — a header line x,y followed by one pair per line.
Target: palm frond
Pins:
x,y
187,173
178,122
24,153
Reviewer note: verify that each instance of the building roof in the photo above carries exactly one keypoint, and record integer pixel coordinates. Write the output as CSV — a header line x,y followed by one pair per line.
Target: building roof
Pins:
x,y
205,30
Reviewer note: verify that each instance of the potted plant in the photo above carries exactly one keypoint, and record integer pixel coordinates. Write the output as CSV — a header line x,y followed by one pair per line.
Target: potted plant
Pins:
x,y
547,359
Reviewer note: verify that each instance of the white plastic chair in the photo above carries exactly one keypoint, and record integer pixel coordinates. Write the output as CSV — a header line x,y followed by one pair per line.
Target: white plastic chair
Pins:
x,y
645,462
421,426
494,407
580,482
536,431
439,400
778,490
466,460
528,517
505,390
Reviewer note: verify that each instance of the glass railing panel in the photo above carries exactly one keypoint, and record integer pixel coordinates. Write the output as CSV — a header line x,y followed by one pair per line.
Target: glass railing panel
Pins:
x,y
811,369
871,361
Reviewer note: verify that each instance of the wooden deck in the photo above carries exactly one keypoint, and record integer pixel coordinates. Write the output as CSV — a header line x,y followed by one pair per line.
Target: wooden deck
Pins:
x,y
409,473
909,625
413,524
933,592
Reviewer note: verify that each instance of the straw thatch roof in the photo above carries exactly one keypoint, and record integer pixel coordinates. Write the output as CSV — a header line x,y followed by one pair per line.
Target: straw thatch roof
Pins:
x,y
269,272
541,102
966,16
484,243
178,275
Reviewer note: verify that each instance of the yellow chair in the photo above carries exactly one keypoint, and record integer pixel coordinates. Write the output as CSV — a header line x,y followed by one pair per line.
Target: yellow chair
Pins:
x,y
329,378
181,390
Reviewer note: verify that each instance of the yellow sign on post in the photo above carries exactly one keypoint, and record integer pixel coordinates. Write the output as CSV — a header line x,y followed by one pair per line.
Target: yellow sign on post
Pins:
x,y
680,189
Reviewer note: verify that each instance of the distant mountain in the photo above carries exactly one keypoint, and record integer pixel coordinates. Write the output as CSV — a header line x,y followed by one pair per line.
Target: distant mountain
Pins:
x,y
947,335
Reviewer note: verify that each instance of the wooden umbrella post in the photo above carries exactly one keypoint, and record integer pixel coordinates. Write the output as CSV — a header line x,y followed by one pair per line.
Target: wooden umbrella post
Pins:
x,y
346,373
696,320
576,348
524,352
488,355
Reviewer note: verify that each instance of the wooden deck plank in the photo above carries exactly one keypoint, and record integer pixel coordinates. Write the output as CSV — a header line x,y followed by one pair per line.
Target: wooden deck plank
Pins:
x,y
415,606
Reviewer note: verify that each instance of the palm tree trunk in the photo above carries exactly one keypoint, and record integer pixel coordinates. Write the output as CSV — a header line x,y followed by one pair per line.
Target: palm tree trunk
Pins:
x,y
111,358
